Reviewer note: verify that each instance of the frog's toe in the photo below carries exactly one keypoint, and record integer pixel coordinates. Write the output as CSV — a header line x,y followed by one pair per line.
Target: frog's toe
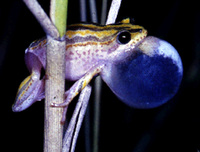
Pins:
x,y
30,91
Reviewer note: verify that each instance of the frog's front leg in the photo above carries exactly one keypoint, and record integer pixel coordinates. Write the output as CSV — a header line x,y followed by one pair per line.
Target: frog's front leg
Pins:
x,y
30,91
79,85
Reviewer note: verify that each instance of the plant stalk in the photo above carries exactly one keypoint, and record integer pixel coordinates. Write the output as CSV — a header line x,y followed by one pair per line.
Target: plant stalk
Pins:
x,y
55,82
54,92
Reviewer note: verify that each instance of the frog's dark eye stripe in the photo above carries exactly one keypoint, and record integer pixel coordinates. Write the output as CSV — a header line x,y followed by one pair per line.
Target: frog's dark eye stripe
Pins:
x,y
96,28
81,39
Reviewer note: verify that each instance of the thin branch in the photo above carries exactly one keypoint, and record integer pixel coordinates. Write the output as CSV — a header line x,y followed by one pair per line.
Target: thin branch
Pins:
x,y
83,18
104,11
42,18
113,12
85,99
83,11
97,87
93,11
71,134
97,92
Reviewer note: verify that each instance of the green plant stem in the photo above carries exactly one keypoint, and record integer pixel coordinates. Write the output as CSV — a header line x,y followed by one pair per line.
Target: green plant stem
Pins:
x,y
58,14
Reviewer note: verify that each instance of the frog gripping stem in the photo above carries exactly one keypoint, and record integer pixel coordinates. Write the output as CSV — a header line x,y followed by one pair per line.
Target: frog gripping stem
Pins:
x,y
143,72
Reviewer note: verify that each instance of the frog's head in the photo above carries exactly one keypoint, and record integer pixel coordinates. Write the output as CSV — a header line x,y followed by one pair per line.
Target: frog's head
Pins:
x,y
130,35
125,39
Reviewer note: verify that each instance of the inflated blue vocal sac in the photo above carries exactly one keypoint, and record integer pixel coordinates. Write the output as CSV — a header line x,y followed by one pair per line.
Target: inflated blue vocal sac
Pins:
x,y
149,77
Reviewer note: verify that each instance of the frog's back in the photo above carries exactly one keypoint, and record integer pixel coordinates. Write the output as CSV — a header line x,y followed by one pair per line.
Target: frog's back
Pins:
x,y
82,49
87,44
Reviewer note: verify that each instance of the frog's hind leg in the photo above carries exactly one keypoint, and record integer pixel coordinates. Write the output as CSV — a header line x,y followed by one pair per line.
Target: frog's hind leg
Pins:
x,y
31,89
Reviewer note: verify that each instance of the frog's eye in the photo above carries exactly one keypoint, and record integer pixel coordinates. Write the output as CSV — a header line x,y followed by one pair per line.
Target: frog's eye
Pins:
x,y
123,37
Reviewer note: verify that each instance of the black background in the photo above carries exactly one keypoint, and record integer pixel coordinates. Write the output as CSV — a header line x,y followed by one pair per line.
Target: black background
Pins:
x,y
172,127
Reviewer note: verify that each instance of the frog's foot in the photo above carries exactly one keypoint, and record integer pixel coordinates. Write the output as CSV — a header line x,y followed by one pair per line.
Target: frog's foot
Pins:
x,y
77,88
79,85
30,91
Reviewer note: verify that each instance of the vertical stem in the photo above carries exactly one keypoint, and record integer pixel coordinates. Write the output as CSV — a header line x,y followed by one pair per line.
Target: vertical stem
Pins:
x,y
55,78
104,11
97,88
113,12
83,10
83,18
58,14
93,11
55,68
54,92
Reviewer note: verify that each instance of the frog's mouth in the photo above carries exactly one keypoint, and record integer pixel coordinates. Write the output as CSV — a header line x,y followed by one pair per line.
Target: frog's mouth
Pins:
x,y
135,46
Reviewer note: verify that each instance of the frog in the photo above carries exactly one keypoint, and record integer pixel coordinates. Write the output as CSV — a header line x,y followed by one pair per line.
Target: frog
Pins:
x,y
142,71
